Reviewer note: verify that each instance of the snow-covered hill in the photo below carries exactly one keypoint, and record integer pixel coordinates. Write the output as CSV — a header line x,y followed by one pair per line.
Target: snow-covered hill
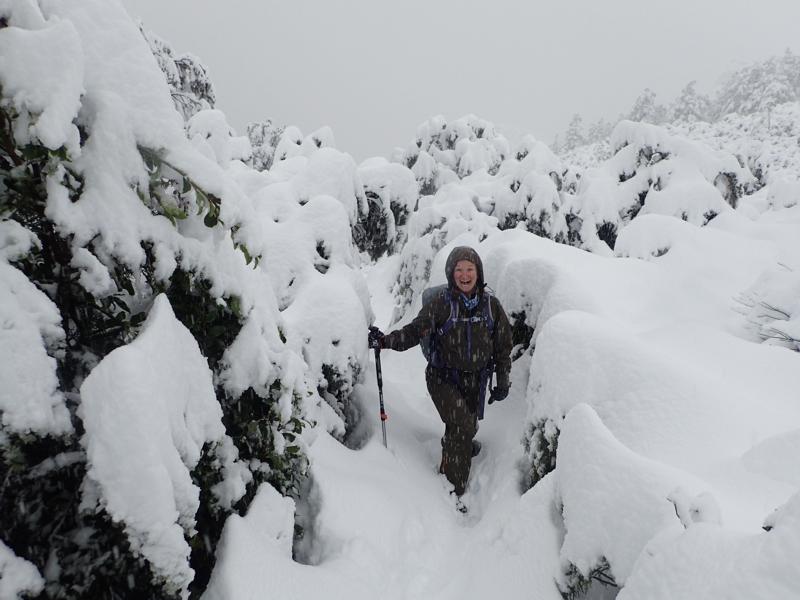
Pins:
x,y
189,408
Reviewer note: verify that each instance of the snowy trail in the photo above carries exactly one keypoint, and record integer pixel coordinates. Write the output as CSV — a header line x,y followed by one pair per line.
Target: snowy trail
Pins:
x,y
386,519
671,407
384,524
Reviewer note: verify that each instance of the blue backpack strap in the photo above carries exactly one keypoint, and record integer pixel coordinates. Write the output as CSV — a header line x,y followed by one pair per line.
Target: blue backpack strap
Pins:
x,y
487,311
451,320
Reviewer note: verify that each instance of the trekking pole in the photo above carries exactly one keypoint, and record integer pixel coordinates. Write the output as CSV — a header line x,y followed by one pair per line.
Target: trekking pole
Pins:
x,y
384,416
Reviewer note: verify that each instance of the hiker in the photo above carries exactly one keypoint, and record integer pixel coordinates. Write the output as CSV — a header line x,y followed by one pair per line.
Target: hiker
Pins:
x,y
469,336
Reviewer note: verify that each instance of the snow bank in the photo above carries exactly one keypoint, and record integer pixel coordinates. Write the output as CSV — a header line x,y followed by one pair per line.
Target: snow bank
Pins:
x,y
604,487
256,547
30,399
325,325
39,74
774,457
637,358
656,403
392,182
148,409
709,562
210,134
18,577
767,144
393,189
333,173
304,238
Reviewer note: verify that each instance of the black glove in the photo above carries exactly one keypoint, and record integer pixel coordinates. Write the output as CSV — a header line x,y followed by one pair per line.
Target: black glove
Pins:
x,y
498,394
375,338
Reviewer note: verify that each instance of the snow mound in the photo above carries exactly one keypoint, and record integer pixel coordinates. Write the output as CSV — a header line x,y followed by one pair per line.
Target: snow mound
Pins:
x,y
18,577
30,399
148,409
604,487
715,563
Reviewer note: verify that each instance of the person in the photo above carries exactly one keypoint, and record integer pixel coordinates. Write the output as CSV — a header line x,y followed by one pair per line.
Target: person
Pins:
x,y
465,348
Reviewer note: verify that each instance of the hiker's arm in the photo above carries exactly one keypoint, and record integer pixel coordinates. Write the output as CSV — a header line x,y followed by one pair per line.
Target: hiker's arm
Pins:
x,y
409,336
502,347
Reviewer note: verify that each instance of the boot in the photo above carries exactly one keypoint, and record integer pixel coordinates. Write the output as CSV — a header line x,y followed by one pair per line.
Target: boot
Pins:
x,y
476,448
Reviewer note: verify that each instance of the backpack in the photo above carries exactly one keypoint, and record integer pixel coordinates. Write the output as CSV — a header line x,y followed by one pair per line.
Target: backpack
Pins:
x,y
428,344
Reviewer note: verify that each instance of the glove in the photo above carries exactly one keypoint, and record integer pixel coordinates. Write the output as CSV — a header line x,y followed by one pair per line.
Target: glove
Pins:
x,y
375,338
498,394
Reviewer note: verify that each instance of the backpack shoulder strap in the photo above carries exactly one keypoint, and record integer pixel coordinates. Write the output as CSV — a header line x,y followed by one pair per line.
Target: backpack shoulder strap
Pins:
x,y
448,324
488,314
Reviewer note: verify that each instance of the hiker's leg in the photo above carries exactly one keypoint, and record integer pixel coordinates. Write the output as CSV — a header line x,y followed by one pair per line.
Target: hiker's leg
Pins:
x,y
460,426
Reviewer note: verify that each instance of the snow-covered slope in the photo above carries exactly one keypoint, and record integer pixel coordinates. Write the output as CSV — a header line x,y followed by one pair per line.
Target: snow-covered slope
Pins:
x,y
186,383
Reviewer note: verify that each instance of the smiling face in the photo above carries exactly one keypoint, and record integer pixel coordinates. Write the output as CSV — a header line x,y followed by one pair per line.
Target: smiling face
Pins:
x,y
466,276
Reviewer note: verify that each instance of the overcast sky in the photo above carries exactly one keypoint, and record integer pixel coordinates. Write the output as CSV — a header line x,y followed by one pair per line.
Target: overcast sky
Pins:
x,y
374,70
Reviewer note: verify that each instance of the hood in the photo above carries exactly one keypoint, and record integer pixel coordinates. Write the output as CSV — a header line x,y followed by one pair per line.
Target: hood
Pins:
x,y
463,253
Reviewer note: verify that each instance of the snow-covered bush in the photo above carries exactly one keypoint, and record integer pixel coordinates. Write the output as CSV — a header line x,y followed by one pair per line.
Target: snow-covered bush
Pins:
x,y
452,213
391,192
444,152
527,189
714,562
307,214
18,577
760,86
765,142
664,174
133,275
210,133
188,79
651,171
772,307
264,137
624,388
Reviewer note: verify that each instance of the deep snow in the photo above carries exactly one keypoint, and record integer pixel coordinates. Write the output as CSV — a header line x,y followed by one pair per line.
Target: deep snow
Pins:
x,y
385,525
676,436
674,391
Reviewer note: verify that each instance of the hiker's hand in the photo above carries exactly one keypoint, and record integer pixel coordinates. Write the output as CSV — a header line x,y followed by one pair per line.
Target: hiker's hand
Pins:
x,y
498,394
375,338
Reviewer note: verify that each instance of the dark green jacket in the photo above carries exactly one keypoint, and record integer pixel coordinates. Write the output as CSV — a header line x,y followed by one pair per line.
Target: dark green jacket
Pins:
x,y
466,346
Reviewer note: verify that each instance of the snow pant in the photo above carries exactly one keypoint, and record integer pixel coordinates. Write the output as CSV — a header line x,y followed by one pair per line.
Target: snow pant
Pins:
x,y
456,399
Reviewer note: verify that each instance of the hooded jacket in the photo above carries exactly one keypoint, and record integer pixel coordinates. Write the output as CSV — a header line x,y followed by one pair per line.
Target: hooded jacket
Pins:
x,y
467,346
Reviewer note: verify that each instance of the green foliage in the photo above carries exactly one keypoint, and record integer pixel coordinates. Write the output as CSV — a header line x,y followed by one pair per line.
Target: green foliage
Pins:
x,y
264,138
173,194
214,322
337,389
46,518
521,333
541,446
577,586
81,553
370,233
187,78
79,549
252,421
93,326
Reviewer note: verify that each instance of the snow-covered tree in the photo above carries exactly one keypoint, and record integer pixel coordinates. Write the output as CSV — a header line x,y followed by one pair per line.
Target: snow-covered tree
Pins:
x,y
599,131
574,135
772,309
691,105
188,79
264,137
444,152
392,193
760,86
645,108
169,384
